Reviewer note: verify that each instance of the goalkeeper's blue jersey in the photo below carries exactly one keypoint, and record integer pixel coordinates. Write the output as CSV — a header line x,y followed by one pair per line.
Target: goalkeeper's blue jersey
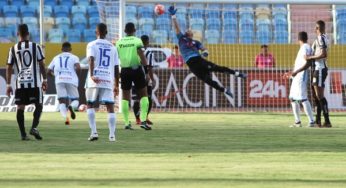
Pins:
x,y
188,47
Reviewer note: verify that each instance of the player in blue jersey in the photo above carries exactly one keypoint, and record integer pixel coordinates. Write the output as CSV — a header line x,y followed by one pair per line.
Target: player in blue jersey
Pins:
x,y
192,52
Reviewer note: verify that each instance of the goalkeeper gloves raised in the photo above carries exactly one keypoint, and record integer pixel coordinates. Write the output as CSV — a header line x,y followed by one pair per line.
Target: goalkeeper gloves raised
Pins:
x,y
205,53
172,11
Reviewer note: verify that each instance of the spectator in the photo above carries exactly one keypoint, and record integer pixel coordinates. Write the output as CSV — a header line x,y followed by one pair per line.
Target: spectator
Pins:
x,y
265,59
175,60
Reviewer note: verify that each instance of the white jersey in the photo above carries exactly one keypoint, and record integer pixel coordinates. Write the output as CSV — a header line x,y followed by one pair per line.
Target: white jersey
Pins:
x,y
304,50
106,58
63,66
319,44
25,57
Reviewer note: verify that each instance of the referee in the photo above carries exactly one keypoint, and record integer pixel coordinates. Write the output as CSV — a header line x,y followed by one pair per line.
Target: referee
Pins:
x,y
133,69
27,60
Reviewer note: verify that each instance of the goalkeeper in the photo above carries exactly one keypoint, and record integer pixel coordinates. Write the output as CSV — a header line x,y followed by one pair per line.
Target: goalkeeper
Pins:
x,y
200,67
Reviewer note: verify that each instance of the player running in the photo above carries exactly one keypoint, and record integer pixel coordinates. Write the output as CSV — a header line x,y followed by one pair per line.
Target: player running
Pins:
x,y
149,55
298,92
133,69
202,68
318,61
65,67
103,66
27,60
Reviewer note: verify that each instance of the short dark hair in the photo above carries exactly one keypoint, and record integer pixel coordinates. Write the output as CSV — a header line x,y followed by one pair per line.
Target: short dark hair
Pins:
x,y
66,46
102,28
303,36
130,28
145,39
264,46
321,25
23,30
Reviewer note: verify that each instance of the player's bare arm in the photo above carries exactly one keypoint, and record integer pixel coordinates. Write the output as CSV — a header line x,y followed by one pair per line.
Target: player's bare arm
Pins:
x,y
172,12
44,75
151,74
77,68
116,83
91,62
141,55
306,66
9,90
50,72
319,56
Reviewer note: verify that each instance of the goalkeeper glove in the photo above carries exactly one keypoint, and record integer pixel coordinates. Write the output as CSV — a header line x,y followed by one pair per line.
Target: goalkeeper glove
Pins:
x,y
205,53
172,11
240,75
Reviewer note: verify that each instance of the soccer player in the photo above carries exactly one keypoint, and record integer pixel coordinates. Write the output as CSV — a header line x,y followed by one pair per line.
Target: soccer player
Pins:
x,y
102,80
298,92
65,67
149,55
318,61
202,68
133,70
27,60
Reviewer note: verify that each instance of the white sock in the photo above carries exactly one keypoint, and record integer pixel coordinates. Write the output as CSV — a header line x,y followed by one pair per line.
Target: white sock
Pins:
x,y
63,110
111,124
308,110
74,104
92,121
296,111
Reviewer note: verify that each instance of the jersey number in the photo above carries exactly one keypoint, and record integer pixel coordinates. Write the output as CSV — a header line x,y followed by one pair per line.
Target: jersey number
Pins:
x,y
61,65
23,58
103,54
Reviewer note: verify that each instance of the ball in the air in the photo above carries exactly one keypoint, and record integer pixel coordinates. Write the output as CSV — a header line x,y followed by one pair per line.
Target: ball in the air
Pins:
x,y
159,9
82,108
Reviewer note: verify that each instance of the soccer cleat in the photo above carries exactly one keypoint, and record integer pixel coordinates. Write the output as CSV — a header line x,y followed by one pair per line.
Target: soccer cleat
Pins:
x,y
145,126
149,122
297,124
73,114
25,138
312,124
228,92
34,132
138,121
128,127
326,125
112,139
93,137
67,122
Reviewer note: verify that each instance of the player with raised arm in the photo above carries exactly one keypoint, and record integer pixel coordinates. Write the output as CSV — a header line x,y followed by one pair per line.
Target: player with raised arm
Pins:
x,y
149,55
318,62
202,68
102,80
27,61
298,92
133,70
65,67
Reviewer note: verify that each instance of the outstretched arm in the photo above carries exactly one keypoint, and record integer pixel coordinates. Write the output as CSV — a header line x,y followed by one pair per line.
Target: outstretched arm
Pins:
x,y
172,12
306,66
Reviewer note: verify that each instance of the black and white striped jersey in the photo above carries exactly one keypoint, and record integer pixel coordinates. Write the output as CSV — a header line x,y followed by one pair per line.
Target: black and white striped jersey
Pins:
x,y
25,57
149,55
320,44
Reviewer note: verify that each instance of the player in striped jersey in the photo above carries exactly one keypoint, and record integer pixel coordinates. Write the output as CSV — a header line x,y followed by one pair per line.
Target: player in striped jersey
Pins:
x,y
65,67
318,61
149,55
27,61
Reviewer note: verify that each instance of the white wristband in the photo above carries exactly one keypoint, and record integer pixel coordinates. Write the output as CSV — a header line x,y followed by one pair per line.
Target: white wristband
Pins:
x,y
173,16
8,85
45,80
236,73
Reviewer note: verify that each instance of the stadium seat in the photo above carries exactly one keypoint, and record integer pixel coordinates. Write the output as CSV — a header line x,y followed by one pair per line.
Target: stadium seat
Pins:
x,y
68,3
93,21
2,22
35,35
341,38
78,11
93,11
5,33
230,37
35,3
280,24
213,14
51,3
216,6
263,37
182,23
263,9
159,36
230,24
275,6
31,22
28,11
341,25
246,37
246,25
10,11
173,37
213,24
281,37
212,36
145,12
93,2
263,25
196,13
61,11
83,2
12,22
227,7
133,20
146,24
89,35
197,24
74,35
56,35
229,15
48,23
280,15
163,23
340,14
182,12
48,11
131,11
139,33
17,3
79,22
63,23
3,3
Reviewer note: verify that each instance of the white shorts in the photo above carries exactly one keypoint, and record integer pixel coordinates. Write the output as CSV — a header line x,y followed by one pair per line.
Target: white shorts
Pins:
x,y
67,91
104,95
298,89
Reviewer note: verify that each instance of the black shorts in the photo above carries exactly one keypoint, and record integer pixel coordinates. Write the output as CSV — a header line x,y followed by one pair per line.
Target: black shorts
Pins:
x,y
26,96
135,93
200,66
319,77
129,76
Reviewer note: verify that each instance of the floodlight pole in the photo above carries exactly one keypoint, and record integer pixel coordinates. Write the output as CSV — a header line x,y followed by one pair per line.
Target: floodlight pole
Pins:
x,y
41,23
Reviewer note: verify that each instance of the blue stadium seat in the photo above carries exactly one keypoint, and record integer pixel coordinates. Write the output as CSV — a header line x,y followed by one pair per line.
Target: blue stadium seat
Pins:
x,y
212,36
182,12
145,12
341,38
10,11
35,35
341,25
197,24
246,7
56,35
246,16
74,35
340,14
61,11
197,5
214,6
163,23
48,23
280,15
63,23
78,11
3,3
28,11
89,35
233,7
182,23
213,24
280,24
281,37
263,25
2,22
139,33
131,11
35,3
263,37
31,22
160,36
173,37
68,3
279,6
246,25
5,33
48,11
12,22
83,2
93,21
230,37
93,11
246,37
17,3
229,15
132,20
51,3
230,25
146,24
79,22
196,13
93,2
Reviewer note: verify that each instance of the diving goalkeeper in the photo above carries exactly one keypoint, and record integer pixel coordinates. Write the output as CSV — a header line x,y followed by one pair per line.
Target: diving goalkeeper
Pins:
x,y
190,50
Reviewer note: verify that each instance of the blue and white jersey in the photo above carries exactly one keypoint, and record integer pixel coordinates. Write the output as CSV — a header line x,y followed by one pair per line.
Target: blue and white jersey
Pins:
x,y
305,50
188,47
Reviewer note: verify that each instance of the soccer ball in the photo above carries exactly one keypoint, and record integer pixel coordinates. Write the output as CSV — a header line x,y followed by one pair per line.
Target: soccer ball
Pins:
x,y
82,108
159,9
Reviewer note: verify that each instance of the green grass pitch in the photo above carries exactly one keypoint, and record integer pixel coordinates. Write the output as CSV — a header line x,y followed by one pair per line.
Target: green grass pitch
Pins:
x,y
191,150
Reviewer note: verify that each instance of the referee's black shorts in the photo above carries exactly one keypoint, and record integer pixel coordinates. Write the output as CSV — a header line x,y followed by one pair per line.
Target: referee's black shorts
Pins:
x,y
200,66
319,77
129,76
135,93
26,96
